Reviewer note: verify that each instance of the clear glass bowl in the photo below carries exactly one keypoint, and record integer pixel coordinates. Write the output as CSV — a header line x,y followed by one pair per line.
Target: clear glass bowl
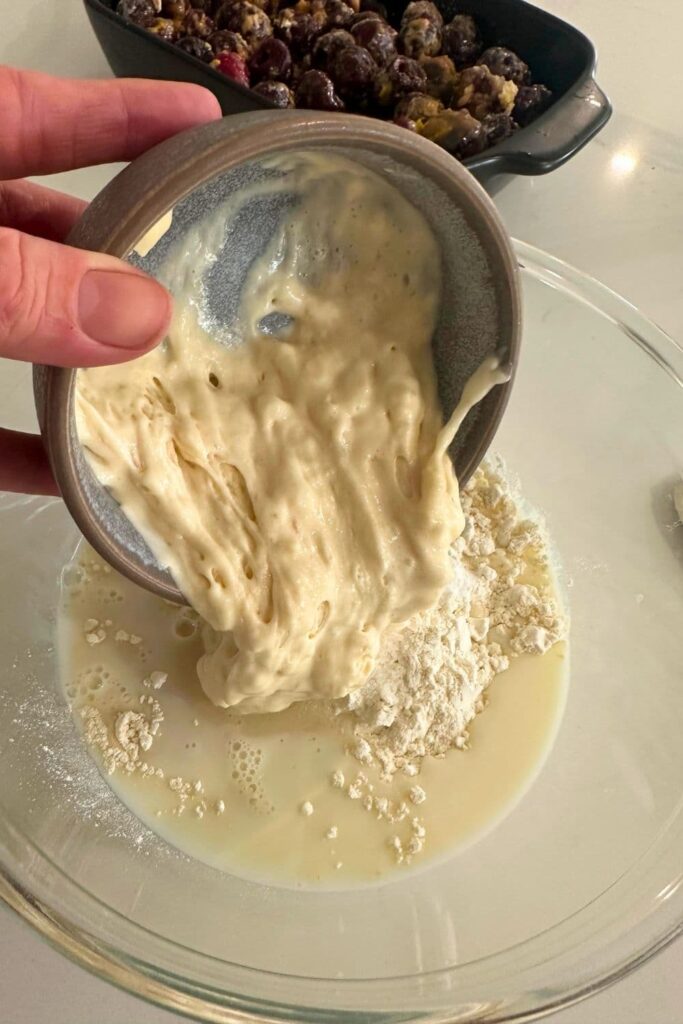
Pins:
x,y
581,883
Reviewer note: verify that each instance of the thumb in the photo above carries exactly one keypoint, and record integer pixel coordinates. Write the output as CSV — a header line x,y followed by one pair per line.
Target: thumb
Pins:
x,y
66,307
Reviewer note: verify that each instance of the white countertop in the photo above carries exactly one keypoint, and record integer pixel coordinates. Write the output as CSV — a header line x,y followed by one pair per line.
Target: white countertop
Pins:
x,y
615,211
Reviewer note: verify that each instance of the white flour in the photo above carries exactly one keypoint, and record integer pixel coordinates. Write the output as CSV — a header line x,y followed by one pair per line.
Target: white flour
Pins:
x,y
432,675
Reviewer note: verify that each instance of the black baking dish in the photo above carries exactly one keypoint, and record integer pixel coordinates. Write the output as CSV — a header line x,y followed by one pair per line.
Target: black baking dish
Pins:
x,y
557,53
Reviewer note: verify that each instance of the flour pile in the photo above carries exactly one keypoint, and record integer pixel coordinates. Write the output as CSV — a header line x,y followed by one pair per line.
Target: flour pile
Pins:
x,y
432,675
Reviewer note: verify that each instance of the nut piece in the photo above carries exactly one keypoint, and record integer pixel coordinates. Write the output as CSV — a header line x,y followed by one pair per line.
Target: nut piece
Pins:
x,y
418,107
420,37
164,28
441,77
481,92
421,26
197,23
246,18
457,131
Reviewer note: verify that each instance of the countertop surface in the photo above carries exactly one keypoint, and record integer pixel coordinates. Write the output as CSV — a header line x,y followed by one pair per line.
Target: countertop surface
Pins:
x,y
615,211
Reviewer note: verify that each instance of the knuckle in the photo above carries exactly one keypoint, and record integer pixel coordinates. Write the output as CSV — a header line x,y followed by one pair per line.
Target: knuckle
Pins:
x,y
15,201
5,200
19,305
17,111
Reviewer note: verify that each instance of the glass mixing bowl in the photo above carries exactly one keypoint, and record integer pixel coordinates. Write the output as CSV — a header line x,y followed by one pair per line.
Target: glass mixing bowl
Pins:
x,y
578,885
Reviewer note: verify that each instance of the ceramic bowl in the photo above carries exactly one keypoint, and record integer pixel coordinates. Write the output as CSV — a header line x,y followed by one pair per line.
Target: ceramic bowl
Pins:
x,y
197,170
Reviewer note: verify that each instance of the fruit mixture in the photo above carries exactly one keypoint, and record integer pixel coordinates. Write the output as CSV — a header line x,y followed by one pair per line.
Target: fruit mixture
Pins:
x,y
434,78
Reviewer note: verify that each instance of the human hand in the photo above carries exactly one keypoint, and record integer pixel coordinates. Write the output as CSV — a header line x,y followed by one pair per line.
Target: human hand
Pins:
x,y
58,305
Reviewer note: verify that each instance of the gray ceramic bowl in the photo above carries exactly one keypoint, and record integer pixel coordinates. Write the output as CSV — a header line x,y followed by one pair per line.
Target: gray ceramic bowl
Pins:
x,y
480,309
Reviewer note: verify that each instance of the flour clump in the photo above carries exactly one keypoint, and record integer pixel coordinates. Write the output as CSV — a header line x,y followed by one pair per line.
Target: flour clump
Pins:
x,y
432,675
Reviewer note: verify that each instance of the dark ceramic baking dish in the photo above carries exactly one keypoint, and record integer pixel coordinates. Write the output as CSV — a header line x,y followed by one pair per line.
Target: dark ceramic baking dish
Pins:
x,y
558,54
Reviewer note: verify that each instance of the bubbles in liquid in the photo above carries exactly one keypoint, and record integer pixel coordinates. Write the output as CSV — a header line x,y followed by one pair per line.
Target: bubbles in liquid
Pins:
x,y
87,684
185,625
246,764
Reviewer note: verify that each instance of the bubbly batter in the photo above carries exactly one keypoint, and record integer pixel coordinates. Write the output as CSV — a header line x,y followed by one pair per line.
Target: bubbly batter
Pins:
x,y
298,486
281,798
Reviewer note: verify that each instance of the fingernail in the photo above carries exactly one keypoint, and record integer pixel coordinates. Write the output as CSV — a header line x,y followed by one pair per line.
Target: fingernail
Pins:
x,y
122,310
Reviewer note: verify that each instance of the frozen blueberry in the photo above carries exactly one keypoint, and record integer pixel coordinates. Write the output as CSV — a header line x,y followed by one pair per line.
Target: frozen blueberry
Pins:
x,y
353,72
460,40
505,63
402,76
271,60
278,93
378,38
328,44
198,48
139,12
315,91
530,101
498,127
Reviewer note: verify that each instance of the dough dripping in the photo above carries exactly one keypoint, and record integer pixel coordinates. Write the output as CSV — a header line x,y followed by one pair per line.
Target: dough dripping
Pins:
x,y
297,486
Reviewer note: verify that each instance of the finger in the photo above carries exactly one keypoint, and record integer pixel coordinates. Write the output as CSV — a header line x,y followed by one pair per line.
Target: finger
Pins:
x,y
67,307
37,210
56,124
23,464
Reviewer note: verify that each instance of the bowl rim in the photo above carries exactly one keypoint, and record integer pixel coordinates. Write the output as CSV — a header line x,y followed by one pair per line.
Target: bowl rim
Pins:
x,y
140,195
